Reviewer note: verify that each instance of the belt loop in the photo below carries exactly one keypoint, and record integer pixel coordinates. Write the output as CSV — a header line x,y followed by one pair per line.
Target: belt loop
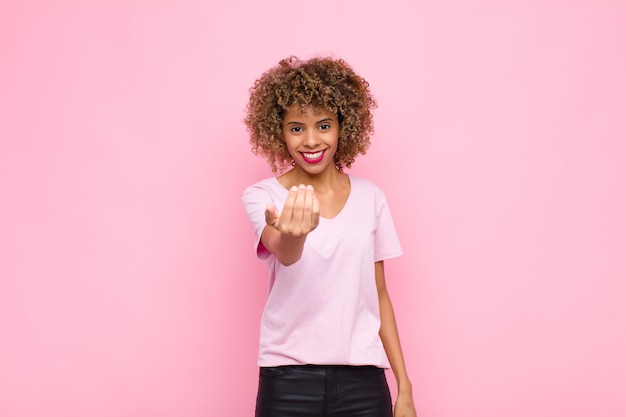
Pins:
x,y
332,381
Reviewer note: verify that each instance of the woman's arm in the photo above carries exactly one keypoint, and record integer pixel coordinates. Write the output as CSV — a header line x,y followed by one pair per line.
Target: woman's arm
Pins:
x,y
404,406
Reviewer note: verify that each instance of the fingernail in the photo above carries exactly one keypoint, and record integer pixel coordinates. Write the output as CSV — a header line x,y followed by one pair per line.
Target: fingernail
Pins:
x,y
294,188
301,186
309,187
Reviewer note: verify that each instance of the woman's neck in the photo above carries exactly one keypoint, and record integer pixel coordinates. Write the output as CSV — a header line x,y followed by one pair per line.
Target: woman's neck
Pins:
x,y
326,181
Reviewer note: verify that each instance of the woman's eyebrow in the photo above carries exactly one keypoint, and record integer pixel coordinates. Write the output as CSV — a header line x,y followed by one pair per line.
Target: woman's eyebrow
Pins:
x,y
295,122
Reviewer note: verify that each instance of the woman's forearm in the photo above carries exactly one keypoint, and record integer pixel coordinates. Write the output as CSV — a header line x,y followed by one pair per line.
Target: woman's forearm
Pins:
x,y
389,333
391,342
287,249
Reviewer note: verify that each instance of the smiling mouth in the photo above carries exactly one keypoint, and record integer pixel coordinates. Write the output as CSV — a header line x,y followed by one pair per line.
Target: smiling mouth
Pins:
x,y
313,157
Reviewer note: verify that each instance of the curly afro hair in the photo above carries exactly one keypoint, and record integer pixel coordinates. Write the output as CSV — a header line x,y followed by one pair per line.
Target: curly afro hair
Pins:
x,y
321,83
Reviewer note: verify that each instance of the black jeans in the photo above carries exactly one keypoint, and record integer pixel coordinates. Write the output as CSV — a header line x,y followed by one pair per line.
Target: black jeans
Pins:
x,y
323,391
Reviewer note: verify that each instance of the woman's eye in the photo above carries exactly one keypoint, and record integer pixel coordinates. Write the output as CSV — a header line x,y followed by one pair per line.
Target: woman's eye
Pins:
x,y
324,127
296,129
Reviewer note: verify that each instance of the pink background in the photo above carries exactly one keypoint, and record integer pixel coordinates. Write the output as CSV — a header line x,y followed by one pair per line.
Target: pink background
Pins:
x,y
128,283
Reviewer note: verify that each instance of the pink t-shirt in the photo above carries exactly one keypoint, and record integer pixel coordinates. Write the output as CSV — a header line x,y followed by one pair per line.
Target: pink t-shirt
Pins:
x,y
324,309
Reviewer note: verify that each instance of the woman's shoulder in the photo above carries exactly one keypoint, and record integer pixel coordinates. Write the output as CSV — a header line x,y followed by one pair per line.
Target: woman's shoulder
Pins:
x,y
268,185
363,184
268,182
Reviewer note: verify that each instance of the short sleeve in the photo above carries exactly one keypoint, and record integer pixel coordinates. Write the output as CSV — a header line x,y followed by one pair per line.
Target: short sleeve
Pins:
x,y
255,199
387,244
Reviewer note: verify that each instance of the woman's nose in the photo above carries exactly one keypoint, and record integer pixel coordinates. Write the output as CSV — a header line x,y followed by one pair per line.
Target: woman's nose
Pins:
x,y
311,138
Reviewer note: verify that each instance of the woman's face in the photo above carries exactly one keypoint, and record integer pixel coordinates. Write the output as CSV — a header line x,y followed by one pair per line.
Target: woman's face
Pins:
x,y
311,137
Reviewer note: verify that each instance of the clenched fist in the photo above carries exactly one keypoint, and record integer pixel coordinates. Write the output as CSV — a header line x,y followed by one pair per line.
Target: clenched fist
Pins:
x,y
300,215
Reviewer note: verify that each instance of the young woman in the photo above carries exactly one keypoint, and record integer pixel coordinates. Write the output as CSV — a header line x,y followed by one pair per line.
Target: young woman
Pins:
x,y
328,329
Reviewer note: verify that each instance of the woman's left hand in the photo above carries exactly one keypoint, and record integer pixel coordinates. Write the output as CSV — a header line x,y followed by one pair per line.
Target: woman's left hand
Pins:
x,y
404,406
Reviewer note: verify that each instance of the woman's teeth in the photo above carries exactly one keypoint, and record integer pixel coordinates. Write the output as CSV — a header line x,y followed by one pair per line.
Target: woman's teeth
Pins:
x,y
313,155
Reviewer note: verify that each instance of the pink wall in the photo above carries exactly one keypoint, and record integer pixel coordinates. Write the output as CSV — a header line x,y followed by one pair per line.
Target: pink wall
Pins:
x,y
128,284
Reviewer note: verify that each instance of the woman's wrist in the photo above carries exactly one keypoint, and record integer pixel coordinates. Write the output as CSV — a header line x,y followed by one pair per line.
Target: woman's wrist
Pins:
x,y
405,387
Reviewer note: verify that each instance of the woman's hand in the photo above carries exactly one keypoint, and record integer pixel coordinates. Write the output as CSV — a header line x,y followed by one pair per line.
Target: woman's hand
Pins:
x,y
404,406
300,215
